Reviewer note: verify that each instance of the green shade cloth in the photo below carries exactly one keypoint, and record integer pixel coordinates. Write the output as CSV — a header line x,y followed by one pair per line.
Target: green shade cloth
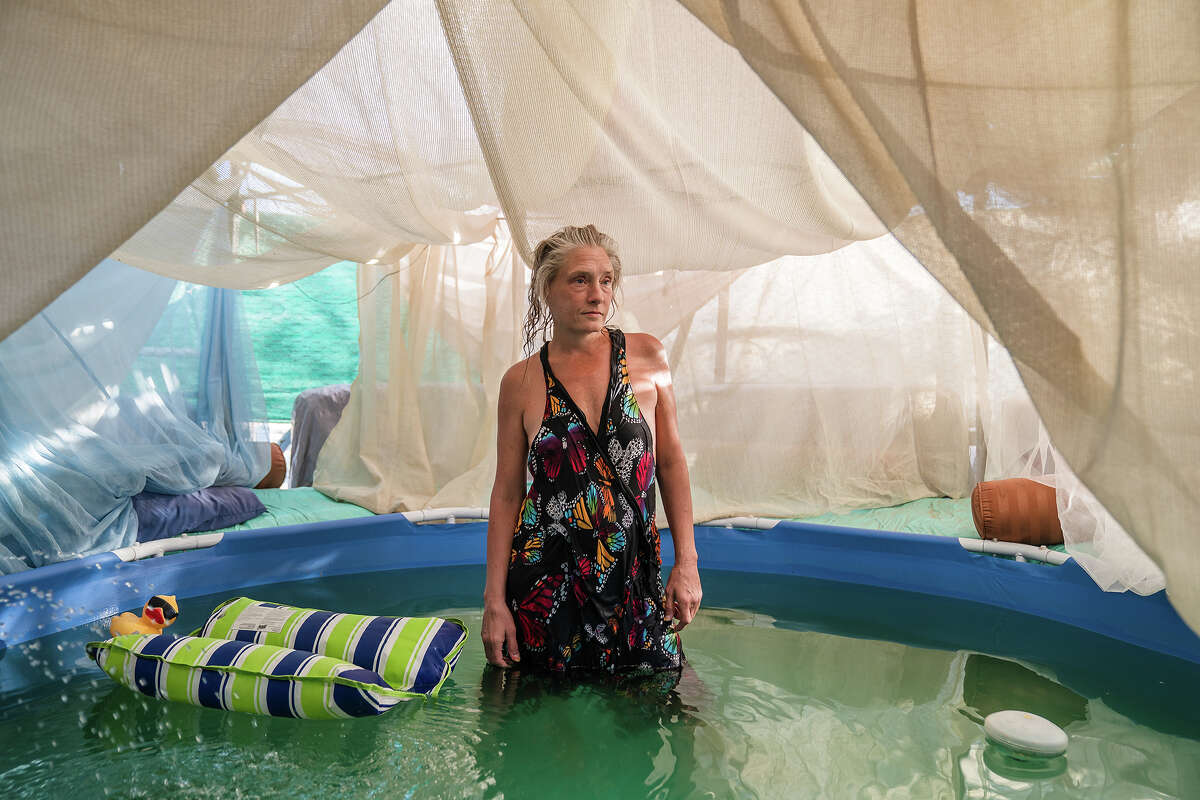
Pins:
x,y
305,334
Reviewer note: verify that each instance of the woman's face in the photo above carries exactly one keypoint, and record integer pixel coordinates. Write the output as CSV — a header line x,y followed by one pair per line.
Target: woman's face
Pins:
x,y
580,295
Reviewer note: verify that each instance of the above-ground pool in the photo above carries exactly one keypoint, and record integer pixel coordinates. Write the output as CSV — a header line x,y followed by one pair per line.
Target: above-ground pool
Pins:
x,y
796,686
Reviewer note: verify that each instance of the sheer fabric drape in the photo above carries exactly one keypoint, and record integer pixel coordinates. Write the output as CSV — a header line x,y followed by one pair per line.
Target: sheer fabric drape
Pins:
x,y
112,108
364,163
372,157
658,135
823,383
436,333
128,381
1018,446
1039,161
804,385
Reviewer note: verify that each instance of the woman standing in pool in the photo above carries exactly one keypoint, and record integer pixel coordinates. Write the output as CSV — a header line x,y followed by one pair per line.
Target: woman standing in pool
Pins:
x,y
573,565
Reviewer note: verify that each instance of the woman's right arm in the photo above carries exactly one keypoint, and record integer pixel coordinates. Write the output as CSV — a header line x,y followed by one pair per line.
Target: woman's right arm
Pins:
x,y
498,630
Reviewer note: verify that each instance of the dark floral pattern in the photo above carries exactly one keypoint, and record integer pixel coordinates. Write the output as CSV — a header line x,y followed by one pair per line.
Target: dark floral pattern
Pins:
x,y
584,578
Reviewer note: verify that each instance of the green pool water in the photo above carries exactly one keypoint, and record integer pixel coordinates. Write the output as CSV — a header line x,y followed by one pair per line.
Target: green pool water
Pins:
x,y
768,707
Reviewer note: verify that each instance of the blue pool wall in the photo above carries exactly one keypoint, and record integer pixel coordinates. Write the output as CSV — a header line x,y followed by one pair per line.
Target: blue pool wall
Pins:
x,y
889,585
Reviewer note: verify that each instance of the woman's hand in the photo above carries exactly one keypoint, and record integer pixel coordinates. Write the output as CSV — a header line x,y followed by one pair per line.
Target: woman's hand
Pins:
x,y
499,635
683,595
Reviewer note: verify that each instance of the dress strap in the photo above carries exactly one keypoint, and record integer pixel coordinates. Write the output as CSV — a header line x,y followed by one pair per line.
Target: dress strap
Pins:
x,y
618,337
620,372
544,353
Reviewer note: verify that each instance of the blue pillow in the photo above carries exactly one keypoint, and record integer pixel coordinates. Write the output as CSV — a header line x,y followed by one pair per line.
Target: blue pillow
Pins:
x,y
163,515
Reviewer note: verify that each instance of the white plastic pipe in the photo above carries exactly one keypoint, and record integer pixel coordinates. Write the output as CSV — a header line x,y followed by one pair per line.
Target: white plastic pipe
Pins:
x,y
161,547
1014,549
753,523
450,515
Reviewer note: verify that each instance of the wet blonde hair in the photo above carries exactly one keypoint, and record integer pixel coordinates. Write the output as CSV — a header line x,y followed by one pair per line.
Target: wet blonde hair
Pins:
x,y
549,257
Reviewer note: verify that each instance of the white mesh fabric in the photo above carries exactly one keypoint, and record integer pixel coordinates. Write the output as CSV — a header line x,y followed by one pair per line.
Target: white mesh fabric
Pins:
x,y
436,333
804,385
633,117
1019,447
376,153
111,108
1040,161
600,113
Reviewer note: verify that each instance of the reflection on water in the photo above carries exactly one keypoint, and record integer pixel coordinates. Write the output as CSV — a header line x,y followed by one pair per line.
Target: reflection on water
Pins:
x,y
763,709
993,684
617,738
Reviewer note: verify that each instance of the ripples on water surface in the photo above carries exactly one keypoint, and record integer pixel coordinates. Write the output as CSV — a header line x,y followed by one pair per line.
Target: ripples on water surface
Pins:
x,y
765,709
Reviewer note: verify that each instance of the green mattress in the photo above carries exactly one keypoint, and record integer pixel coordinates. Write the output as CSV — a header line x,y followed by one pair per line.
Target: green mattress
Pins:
x,y
936,516
298,506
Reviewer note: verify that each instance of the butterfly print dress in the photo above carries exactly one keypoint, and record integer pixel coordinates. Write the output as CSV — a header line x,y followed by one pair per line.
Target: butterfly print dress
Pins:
x,y
584,579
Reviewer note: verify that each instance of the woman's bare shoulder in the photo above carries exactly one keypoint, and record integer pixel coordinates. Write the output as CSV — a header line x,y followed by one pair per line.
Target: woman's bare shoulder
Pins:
x,y
645,347
521,375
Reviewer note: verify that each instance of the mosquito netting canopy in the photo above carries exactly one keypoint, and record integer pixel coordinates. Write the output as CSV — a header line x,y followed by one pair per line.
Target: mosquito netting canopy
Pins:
x,y
842,218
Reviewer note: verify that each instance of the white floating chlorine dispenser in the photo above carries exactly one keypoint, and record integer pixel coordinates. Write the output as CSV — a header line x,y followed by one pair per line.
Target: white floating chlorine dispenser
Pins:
x,y
1024,735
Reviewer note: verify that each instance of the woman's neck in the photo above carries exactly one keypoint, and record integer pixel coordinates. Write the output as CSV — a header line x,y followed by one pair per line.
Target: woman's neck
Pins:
x,y
571,343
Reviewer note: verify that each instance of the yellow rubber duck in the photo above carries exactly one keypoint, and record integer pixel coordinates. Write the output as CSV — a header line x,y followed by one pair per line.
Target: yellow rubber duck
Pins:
x,y
157,614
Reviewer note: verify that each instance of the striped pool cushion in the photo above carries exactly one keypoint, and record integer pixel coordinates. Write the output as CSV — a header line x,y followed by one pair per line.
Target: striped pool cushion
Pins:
x,y
243,676
413,654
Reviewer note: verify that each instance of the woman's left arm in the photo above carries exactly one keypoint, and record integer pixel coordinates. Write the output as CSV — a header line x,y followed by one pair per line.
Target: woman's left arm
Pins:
x,y
683,586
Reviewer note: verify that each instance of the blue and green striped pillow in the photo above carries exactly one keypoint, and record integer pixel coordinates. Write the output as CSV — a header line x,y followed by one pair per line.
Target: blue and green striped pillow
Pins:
x,y
243,676
413,654
266,658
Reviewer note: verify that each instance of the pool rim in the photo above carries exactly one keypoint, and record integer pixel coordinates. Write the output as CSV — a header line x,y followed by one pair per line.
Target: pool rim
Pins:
x,y
51,599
